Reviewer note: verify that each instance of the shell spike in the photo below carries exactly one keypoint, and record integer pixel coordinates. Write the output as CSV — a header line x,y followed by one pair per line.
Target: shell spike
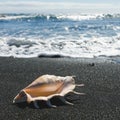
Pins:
x,y
64,101
73,76
13,101
49,104
79,85
78,93
35,104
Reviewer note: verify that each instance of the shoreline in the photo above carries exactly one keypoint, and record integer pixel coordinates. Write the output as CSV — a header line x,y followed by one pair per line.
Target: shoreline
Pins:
x,y
102,88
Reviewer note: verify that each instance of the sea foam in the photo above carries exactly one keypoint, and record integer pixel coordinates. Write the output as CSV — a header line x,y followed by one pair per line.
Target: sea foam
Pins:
x,y
82,35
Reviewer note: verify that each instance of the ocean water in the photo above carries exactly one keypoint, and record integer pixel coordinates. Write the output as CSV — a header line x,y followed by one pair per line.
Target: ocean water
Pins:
x,y
67,35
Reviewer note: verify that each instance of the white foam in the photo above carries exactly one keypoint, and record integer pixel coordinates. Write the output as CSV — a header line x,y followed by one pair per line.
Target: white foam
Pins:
x,y
75,17
86,48
13,17
79,17
73,43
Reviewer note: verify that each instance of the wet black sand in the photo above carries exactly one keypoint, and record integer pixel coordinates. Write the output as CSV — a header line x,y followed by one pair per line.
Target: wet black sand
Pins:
x,y
102,88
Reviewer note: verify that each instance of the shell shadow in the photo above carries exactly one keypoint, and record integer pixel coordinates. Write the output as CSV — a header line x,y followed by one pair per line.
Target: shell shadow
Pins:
x,y
42,104
54,101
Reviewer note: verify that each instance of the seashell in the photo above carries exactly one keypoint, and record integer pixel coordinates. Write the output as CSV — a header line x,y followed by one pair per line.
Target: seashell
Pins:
x,y
46,87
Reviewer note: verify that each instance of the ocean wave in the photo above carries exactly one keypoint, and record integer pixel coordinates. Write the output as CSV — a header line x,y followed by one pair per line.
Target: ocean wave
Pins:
x,y
18,47
77,17
80,35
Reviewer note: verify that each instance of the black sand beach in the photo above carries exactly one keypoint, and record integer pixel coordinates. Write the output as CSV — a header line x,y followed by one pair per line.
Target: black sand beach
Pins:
x,y
102,88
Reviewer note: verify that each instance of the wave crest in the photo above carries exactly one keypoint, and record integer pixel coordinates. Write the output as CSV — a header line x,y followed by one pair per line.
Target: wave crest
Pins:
x,y
78,17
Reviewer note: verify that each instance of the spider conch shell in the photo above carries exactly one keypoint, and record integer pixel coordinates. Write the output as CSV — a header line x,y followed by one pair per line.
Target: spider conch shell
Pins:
x,y
45,87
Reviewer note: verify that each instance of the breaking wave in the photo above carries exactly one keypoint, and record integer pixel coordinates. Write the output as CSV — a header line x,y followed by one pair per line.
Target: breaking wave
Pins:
x,y
80,35
94,47
78,17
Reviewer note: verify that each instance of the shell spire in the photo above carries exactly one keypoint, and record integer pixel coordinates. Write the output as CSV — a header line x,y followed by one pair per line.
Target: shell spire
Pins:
x,y
46,87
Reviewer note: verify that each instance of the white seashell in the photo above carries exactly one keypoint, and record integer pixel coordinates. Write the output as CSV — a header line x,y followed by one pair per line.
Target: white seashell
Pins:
x,y
45,87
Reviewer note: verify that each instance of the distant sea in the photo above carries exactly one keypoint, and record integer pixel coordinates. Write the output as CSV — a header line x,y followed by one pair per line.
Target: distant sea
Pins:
x,y
68,35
